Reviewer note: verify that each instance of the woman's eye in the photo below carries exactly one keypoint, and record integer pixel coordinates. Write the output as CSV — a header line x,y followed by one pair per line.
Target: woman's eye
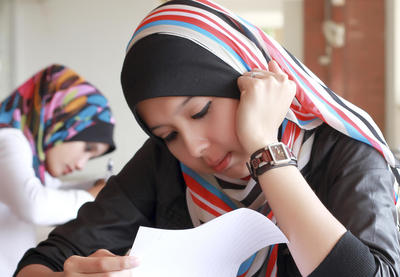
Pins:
x,y
171,136
89,147
203,111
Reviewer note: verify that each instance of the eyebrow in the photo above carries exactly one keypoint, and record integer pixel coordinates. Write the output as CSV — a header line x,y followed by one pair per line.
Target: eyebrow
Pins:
x,y
184,102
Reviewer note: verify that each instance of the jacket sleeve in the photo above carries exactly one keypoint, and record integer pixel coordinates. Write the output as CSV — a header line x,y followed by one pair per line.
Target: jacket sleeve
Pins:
x,y
354,182
110,222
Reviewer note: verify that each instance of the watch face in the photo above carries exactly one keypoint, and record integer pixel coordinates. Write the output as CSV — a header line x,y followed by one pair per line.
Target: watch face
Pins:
x,y
279,153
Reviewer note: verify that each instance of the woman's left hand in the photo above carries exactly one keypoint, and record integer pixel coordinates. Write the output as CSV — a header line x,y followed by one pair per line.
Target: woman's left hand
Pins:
x,y
264,102
97,187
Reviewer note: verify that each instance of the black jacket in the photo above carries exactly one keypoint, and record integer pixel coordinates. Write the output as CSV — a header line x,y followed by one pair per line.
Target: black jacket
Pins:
x,y
350,178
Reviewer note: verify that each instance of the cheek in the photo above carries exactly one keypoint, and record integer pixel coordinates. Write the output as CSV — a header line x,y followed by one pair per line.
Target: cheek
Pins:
x,y
223,130
179,151
51,165
49,156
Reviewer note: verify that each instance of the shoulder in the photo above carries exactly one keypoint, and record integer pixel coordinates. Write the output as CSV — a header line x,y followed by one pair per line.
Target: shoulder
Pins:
x,y
153,182
13,141
12,134
152,156
355,183
151,166
342,168
340,165
337,149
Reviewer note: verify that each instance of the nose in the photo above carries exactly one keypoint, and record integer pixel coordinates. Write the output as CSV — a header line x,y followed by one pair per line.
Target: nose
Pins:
x,y
195,144
81,163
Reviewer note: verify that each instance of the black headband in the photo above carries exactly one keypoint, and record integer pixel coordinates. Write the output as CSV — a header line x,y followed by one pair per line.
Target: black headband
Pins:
x,y
100,132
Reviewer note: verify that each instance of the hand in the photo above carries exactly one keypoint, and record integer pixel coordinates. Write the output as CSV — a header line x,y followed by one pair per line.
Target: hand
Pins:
x,y
101,261
97,187
264,102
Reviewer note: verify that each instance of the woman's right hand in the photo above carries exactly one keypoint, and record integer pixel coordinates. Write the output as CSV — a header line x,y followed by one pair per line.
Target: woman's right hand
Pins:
x,y
100,263
265,99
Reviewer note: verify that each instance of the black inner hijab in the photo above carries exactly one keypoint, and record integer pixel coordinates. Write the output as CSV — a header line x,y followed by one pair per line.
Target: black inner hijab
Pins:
x,y
166,65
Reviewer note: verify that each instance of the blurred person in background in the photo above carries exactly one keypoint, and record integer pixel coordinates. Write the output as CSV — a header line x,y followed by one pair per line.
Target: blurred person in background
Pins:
x,y
50,126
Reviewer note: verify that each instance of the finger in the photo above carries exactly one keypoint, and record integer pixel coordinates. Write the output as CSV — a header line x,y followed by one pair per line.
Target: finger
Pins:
x,y
99,264
247,74
274,67
258,70
102,253
279,73
122,273
241,84
293,87
99,182
255,74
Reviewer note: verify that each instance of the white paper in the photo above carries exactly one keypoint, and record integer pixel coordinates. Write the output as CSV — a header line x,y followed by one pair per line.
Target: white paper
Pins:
x,y
216,248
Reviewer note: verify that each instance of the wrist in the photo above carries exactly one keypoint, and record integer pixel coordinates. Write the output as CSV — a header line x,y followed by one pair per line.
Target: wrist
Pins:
x,y
273,155
255,146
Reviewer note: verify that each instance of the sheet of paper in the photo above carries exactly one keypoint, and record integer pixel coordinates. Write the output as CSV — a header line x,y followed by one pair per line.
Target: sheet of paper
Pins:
x,y
216,248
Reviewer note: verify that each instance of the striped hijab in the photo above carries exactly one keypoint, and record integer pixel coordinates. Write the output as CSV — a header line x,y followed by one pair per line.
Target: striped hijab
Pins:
x,y
57,105
198,48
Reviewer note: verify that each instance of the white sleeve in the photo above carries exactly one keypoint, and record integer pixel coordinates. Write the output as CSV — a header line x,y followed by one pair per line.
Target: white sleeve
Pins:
x,y
24,193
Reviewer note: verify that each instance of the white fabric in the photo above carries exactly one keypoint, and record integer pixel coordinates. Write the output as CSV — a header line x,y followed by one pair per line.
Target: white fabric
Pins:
x,y
25,202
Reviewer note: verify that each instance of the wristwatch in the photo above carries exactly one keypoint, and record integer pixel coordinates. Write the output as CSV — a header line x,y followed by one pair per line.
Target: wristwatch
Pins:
x,y
272,156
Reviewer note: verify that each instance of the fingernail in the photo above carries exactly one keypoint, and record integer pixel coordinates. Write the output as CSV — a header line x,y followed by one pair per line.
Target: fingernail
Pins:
x,y
133,261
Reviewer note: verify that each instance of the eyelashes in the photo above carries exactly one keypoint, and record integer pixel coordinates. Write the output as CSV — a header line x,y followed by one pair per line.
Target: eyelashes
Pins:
x,y
171,136
89,147
203,111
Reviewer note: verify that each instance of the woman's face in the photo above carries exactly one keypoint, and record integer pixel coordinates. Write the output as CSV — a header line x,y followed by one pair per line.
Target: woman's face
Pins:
x,y
69,156
199,131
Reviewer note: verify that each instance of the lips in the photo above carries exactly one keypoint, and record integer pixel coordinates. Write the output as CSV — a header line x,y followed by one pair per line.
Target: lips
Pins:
x,y
67,170
223,164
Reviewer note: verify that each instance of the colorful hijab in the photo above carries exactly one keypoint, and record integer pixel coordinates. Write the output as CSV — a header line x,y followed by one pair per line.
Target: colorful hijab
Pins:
x,y
198,48
54,106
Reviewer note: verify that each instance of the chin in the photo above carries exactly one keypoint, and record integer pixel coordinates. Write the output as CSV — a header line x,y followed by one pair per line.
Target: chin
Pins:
x,y
53,174
237,173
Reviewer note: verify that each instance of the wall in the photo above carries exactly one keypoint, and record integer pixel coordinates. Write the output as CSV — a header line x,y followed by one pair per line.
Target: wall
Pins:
x,y
393,73
356,70
294,27
6,53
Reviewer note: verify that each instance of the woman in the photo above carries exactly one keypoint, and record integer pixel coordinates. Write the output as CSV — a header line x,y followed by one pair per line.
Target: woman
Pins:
x,y
187,65
50,126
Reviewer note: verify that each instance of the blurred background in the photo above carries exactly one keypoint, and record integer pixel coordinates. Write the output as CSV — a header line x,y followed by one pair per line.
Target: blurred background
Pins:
x,y
349,44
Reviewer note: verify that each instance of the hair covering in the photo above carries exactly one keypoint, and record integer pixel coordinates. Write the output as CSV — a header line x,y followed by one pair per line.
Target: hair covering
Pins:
x,y
198,48
54,106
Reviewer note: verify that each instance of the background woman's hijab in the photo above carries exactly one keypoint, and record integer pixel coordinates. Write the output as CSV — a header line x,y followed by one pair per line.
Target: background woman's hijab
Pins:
x,y
198,48
54,106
